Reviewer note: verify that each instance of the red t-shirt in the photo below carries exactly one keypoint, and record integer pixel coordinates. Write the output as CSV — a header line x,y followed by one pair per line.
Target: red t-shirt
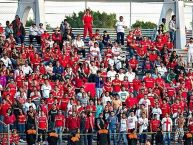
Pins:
x,y
21,119
116,85
133,63
149,82
87,20
59,120
155,124
165,109
108,86
42,122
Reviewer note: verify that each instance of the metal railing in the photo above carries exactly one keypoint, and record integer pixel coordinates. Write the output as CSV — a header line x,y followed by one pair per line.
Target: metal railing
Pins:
x,y
5,131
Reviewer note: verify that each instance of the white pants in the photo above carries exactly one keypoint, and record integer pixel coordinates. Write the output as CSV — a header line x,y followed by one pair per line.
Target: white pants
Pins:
x,y
190,56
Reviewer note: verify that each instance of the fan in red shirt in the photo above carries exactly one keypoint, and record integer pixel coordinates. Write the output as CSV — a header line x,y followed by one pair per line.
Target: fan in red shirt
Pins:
x,y
130,38
108,85
64,102
42,126
56,36
133,63
14,137
165,108
35,61
131,101
91,107
45,35
154,125
149,81
125,83
137,33
175,106
60,121
73,122
87,20
21,123
4,106
116,83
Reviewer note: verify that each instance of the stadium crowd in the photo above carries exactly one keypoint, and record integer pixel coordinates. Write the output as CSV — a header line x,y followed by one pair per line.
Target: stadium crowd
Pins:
x,y
123,92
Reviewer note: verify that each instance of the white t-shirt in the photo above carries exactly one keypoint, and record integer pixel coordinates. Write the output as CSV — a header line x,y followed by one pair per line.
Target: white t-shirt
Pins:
x,y
27,70
121,76
6,61
123,95
157,111
145,102
190,47
78,43
116,50
27,105
123,125
131,76
132,122
120,26
143,124
94,51
46,90
166,124
105,100
111,74
93,69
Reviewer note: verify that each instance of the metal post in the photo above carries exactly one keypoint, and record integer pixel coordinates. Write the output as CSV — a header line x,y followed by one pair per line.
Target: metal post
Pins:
x,y
130,13
8,134
192,21
86,4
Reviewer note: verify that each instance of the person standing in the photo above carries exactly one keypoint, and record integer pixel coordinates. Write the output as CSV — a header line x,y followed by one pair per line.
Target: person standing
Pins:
x,y
64,27
99,84
87,22
190,51
89,127
166,128
164,26
42,123
172,28
59,120
123,127
154,125
120,29
113,122
18,30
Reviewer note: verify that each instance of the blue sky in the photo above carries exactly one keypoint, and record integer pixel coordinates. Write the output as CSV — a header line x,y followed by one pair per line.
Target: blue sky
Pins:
x,y
56,11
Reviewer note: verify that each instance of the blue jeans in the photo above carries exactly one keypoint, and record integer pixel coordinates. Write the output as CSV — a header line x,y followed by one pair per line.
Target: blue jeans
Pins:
x,y
120,38
83,138
59,132
112,132
173,36
1,124
21,128
166,136
122,135
99,91
19,39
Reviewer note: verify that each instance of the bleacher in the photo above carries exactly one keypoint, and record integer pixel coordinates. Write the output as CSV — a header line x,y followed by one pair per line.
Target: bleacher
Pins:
x,y
145,32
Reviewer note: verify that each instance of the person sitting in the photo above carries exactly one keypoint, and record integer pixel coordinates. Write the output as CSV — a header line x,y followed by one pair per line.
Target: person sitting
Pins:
x,y
34,33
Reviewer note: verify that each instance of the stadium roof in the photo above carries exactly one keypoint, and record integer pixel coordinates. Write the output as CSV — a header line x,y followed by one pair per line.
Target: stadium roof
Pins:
x,y
115,1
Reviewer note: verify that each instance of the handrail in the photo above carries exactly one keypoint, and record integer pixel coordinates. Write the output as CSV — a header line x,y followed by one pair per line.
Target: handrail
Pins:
x,y
3,123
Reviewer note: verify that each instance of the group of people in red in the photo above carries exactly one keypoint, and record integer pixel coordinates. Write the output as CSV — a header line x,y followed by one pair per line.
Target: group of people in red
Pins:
x,y
65,85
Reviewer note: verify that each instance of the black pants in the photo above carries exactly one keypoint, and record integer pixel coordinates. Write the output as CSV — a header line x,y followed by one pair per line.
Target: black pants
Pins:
x,y
83,52
120,38
41,135
38,39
